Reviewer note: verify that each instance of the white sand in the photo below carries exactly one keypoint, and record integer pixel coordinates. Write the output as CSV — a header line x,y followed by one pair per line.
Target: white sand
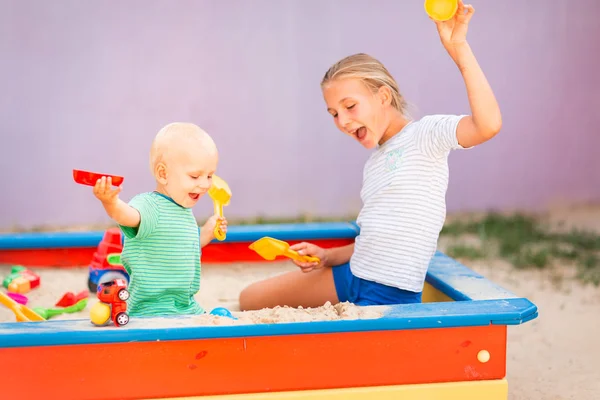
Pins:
x,y
220,287
553,357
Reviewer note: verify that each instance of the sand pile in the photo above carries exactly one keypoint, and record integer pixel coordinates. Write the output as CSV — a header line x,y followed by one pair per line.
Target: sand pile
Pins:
x,y
327,312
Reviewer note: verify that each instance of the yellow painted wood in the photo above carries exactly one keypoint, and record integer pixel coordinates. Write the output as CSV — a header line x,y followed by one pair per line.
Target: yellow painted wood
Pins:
x,y
468,390
432,295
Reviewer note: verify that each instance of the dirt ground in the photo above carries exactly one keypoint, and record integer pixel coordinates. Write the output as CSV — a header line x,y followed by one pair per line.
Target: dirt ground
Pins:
x,y
553,357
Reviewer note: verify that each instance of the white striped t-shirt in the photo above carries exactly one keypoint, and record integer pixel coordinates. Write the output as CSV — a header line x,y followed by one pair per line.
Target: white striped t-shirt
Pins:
x,y
404,203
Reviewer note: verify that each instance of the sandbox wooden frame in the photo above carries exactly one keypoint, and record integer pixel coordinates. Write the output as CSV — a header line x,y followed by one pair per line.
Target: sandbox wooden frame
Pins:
x,y
451,346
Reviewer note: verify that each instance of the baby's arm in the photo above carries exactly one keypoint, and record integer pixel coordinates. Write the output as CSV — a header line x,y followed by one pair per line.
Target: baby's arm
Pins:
x,y
207,232
122,213
206,235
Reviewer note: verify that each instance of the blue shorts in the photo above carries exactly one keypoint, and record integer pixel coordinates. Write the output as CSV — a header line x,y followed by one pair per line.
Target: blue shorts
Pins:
x,y
367,293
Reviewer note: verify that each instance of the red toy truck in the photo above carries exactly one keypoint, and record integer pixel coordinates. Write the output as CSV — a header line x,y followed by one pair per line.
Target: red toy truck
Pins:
x,y
100,270
115,294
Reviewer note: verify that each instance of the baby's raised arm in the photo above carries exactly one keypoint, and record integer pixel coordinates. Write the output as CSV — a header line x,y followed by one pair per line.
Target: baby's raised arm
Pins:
x,y
117,209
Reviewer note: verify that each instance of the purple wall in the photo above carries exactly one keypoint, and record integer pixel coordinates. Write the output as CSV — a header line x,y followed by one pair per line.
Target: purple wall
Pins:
x,y
88,84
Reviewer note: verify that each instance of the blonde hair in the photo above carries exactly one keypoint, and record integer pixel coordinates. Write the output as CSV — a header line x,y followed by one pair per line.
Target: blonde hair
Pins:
x,y
371,72
175,136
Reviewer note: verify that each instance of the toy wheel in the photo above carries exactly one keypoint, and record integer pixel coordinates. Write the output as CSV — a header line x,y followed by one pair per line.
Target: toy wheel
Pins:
x,y
122,319
123,294
92,286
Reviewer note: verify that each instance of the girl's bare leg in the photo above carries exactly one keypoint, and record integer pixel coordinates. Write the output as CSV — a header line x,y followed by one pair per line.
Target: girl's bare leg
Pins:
x,y
297,288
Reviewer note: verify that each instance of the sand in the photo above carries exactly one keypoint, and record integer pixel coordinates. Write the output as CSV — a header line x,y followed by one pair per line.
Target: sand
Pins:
x,y
553,357
220,287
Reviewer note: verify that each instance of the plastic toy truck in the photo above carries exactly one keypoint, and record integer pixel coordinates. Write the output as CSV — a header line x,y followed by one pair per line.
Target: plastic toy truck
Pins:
x,y
100,270
112,306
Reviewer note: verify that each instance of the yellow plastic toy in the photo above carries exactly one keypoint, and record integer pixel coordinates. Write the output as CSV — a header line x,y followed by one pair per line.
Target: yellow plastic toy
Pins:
x,y
19,285
269,248
23,313
100,313
441,10
220,194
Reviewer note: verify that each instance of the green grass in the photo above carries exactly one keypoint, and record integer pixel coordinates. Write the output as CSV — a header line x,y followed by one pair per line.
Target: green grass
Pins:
x,y
526,242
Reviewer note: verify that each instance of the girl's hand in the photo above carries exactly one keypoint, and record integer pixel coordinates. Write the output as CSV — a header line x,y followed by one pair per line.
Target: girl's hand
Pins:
x,y
309,249
453,32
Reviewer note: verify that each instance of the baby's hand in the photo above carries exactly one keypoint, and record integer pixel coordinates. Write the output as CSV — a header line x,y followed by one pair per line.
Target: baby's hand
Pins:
x,y
105,193
210,224
222,221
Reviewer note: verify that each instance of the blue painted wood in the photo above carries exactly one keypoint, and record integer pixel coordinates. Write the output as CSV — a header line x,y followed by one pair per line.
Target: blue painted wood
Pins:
x,y
241,233
49,240
461,283
478,301
445,274
397,317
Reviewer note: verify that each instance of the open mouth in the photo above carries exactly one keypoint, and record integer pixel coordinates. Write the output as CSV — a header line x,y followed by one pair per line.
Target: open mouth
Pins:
x,y
360,133
194,196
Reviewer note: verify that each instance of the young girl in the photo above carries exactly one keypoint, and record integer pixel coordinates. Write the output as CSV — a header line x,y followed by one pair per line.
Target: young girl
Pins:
x,y
404,183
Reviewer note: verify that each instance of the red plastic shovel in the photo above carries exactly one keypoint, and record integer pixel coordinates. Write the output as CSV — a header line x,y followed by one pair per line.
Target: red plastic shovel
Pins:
x,y
90,178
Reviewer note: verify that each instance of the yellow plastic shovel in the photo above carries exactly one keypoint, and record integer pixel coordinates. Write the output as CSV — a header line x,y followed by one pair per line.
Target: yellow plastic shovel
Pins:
x,y
441,10
220,193
23,313
269,248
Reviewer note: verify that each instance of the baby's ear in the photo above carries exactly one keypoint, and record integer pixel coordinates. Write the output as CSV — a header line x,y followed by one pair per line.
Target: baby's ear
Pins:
x,y
160,173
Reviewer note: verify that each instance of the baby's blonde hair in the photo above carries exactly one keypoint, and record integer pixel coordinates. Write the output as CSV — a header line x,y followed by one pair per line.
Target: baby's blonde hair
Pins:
x,y
175,135
371,72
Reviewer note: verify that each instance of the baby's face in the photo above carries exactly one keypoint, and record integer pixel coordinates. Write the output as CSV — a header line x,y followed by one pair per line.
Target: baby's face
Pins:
x,y
189,175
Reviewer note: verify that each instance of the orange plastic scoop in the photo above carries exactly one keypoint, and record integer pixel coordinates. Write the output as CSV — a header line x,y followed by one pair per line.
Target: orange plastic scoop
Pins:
x,y
441,10
220,193
23,313
269,248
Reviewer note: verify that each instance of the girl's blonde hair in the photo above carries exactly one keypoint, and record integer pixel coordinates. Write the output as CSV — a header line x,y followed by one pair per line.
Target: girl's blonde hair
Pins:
x,y
371,72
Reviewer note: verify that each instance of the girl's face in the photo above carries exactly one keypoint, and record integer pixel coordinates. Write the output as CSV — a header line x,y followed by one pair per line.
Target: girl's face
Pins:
x,y
357,111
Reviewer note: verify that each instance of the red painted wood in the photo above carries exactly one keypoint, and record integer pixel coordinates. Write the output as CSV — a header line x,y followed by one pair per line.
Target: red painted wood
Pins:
x,y
64,258
254,364
77,257
239,252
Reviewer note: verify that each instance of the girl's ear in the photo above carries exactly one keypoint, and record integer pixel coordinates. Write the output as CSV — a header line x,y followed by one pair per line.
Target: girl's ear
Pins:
x,y
160,173
385,95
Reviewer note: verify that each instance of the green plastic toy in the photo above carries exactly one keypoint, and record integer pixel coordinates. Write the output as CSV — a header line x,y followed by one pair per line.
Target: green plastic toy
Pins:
x,y
114,259
48,313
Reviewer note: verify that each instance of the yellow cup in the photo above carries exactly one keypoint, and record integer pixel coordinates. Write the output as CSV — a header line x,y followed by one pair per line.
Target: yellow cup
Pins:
x,y
441,10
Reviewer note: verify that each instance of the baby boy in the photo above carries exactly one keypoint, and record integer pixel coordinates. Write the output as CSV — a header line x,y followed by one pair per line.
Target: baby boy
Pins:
x,y
163,246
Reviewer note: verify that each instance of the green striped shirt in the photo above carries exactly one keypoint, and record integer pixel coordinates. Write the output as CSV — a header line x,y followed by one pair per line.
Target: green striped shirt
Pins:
x,y
162,257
